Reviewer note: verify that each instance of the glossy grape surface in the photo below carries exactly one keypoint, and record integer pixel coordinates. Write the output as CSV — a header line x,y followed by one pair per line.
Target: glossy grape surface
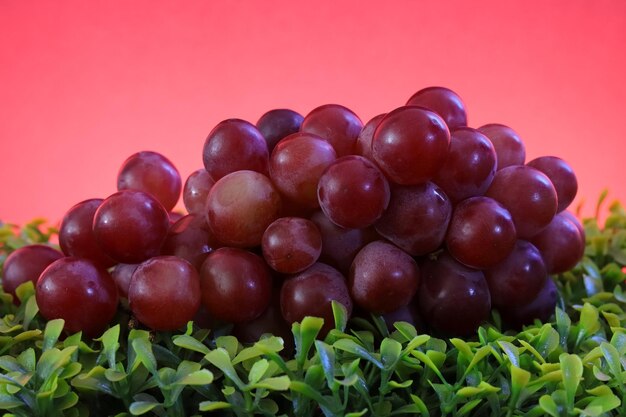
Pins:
x,y
353,192
130,226
196,190
151,173
277,124
383,278
79,292
236,285
443,101
560,244
508,145
363,144
291,244
410,145
26,264
541,308
562,177
190,238
122,274
335,123
164,293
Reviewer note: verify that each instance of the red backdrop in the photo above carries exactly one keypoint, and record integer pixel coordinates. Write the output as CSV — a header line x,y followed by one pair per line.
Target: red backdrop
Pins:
x,y
84,84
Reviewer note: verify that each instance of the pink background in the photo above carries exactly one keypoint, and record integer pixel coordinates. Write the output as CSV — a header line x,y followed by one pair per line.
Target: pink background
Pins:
x,y
84,84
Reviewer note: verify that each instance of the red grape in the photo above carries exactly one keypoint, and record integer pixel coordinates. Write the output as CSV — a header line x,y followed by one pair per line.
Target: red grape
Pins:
x,y
122,274
236,285
417,218
164,293
291,244
130,226
240,206
353,192
469,167
335,123
311,292
234,145
443,101
410,145
560,244
562,177
151,173
528,195
481,233
277,124
296,165
383,278
363,145
507,143
196,189
26,264
190,238
79,292
541,307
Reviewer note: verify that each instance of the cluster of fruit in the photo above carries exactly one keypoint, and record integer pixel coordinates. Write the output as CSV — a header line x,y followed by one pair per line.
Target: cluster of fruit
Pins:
x,y
413,216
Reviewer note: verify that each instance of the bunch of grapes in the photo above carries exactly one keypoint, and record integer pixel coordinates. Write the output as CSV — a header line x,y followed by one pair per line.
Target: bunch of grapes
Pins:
x,y
413,216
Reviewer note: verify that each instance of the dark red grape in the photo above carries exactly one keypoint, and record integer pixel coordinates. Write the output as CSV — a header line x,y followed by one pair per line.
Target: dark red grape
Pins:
x,y
410,145
130,226
560,244
236,285
196,189
576,221
481,232
335,123
240,206
507,143
363,144
469,167
340,245
353,192
518,278
443,101
291,244
562,177
296,165
122,274
409,313
164,293
151,173
79,292
453,299
311,292
417,218
383,278
235,145
190,238
26,264
528,195
76,236
541,308
277,124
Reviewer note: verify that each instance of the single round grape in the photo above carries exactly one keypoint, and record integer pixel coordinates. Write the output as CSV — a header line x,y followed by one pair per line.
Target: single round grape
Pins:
x,y
235,145
26,264
151,173
130,226
443,101
196,189
383,278
164,293
507,143
79,292
240,206
122,274
335,123
340,245
296,165
528,195
410,145
76,236
562,177
191,239
236,285
363,144
481,232
560,244
311,292
453,299
291,244
540,308
518,278
576,221
277,124
353,192
469,167
417,218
